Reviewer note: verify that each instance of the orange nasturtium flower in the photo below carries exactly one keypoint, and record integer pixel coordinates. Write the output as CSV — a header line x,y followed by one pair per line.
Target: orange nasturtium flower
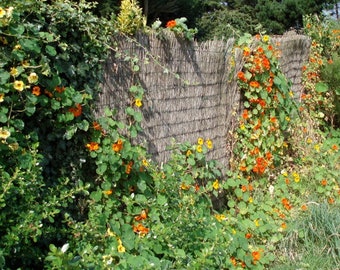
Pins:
x,y
335,147
60,89
92,146
244,188
76,110
245,114
248,235
108,192
330,200
140,229
36,91
129,167
256,256
143,215
241,76
304,207
171,24
96,126
117,146
254,84
324,182
246,51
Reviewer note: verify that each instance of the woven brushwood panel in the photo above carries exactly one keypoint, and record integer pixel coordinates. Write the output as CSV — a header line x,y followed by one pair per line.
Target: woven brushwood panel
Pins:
x,y
190,88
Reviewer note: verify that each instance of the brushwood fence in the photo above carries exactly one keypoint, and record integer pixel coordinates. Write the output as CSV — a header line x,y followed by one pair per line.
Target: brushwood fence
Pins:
x,y
190,88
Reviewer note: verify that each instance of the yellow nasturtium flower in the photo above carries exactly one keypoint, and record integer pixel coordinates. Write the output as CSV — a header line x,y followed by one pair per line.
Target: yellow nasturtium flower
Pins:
x,y
216,185
200,141
14,71
33,77
2,12
265,38
19,85
4,133
209,143
138,102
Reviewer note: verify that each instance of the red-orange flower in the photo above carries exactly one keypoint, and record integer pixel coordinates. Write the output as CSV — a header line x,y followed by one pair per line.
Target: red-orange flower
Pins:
x,y
244,188
256,256
241,76
245,114
118,145
108,192
140,229
258,125
233,261
330,200
171,24
261,165
60,89
36,91
76,110
92,146
48,93
129,167
143,215
335,147
269,156
286,203
254,84
96,126
324,182
304,207
248,235
243,168
255,151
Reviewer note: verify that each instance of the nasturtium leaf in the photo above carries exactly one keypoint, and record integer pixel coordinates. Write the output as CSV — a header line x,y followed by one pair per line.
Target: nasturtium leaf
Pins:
x,y
16,29
29,109
277,80
4,76
77,98
130,111
51,50
83,125
141,185
321,87
30,45
96,195
161,200
191,161
101,169
138,116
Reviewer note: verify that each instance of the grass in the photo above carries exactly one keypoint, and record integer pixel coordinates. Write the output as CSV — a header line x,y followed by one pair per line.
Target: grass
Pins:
x,y
313,242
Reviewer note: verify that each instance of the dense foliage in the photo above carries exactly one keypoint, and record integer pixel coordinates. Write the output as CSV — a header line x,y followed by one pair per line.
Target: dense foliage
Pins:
x,y
77,193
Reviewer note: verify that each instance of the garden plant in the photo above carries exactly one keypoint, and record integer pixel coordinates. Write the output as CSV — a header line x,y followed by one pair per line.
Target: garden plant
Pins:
x,y
77,192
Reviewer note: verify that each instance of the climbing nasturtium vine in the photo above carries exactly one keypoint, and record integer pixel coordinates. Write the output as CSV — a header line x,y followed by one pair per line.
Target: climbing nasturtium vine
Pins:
x,y
268,107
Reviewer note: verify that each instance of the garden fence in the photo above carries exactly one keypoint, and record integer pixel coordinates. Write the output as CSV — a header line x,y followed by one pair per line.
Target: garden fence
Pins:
x,y
190,87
